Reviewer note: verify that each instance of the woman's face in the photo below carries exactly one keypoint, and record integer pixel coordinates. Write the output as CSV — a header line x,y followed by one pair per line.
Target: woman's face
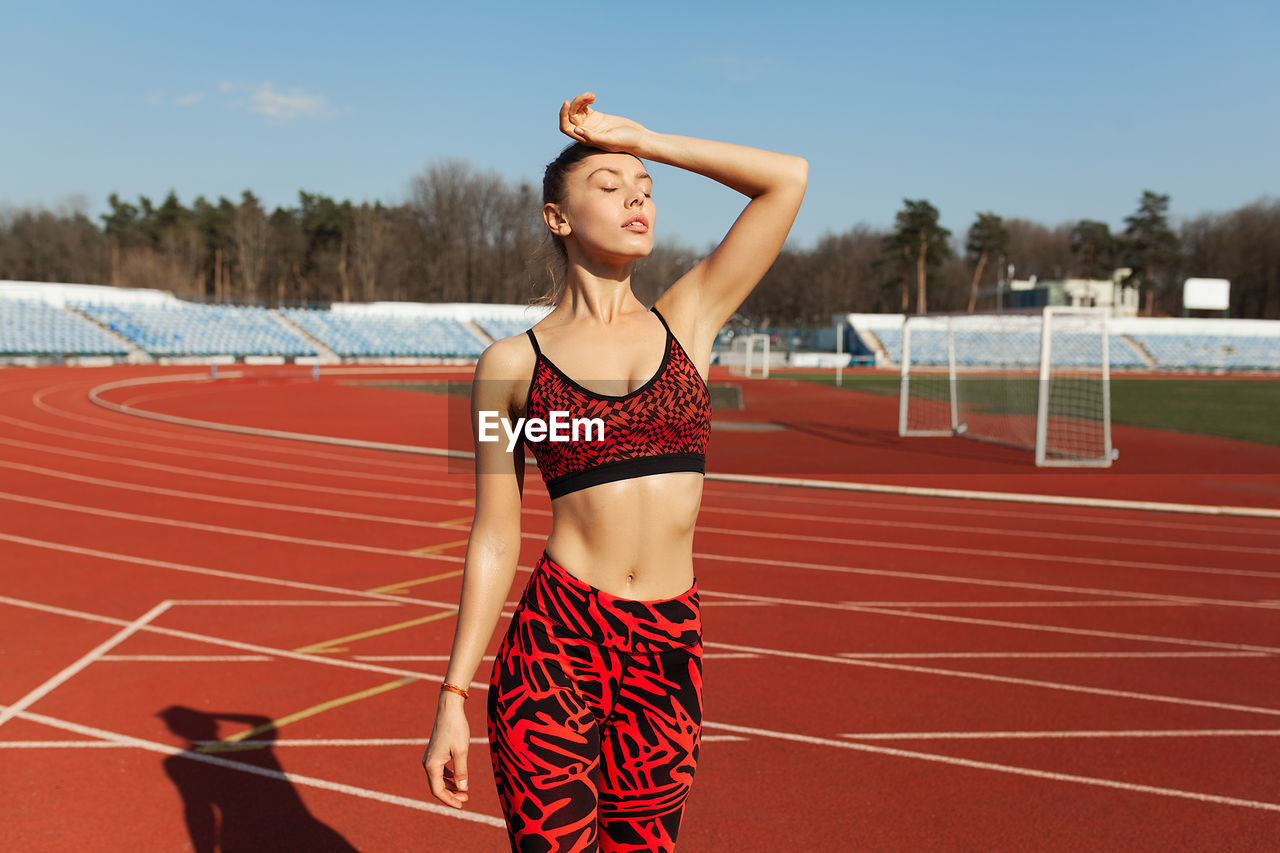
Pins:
x,y
609,208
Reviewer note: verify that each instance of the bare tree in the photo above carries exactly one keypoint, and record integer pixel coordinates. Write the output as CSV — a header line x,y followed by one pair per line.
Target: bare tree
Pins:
x,y
249,237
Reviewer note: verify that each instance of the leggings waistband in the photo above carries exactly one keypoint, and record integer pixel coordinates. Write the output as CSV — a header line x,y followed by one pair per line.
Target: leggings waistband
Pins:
x,y
619,623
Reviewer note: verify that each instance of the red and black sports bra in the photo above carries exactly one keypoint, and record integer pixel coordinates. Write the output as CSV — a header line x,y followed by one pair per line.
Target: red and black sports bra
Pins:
x,y
662,426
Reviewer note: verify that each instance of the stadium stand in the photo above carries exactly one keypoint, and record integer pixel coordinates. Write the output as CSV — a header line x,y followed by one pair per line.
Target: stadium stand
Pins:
x,y
190,329
930,347
30,327
504,327
366,334
45,321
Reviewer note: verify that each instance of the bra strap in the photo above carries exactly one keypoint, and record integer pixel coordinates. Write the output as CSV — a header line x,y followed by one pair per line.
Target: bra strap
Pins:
x,y
655,310
534,339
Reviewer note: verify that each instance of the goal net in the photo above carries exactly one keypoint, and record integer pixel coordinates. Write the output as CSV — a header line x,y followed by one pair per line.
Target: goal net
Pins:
x,y
749,356
1036,381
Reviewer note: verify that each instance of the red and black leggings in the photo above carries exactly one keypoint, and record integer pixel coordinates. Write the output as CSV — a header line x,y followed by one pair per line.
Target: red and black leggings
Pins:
x,y
595,715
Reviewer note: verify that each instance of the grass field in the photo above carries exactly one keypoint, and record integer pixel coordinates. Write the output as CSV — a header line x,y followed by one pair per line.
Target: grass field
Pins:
x,y
1246,409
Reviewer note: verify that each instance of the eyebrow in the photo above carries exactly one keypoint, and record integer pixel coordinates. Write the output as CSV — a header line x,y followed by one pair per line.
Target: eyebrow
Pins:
x,y
643,176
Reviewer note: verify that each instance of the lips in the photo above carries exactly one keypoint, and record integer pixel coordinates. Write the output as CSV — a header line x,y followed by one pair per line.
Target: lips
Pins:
x,y
637,223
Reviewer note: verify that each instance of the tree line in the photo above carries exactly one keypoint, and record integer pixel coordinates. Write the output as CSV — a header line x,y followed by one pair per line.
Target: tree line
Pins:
x,y
468,236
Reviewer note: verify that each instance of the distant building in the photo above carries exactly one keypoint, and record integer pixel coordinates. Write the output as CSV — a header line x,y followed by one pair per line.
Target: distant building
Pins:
x,y
1023,294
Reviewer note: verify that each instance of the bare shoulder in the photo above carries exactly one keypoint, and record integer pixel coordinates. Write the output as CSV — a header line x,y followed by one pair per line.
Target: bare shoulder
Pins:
x,y
503,371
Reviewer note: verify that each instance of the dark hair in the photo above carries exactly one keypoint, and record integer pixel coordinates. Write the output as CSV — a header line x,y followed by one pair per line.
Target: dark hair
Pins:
x,y
555,191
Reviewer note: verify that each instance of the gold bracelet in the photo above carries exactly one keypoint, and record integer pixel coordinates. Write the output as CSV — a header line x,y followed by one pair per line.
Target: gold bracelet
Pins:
x,y
453,688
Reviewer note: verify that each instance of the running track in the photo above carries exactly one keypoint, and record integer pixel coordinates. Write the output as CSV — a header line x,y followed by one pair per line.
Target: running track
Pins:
x,y
209,628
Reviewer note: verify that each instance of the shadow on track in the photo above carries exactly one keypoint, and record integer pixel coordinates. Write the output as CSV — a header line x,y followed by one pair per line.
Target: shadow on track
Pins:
x,y
237,812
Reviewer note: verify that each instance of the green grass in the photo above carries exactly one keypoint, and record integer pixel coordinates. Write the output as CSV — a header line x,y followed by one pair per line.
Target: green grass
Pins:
x,y
1246,409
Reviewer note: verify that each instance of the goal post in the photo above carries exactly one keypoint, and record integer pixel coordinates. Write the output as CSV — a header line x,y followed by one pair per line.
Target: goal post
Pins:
x,y
749,356
1036,381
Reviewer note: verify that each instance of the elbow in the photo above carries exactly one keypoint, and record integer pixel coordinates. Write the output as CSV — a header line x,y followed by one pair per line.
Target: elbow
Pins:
x,y
800,171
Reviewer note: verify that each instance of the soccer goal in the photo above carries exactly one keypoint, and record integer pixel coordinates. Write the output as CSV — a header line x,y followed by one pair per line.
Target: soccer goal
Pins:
x,y
1039,381
749,356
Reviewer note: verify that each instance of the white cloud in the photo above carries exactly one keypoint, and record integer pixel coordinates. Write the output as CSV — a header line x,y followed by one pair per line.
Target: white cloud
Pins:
x,y
266,100
189,99
225,87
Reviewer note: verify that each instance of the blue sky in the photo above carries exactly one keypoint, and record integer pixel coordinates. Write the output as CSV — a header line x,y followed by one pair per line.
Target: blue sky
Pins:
x,y
1053,112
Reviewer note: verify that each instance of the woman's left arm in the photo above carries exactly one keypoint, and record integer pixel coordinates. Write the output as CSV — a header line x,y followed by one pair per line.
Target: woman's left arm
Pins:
x,y
775,183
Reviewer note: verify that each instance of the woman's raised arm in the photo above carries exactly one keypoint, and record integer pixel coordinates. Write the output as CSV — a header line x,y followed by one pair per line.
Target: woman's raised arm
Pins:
x,y
775,183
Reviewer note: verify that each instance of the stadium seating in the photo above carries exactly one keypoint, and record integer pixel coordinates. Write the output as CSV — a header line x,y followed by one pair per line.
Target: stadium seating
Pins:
x,y
1207,352
30,327
190,329
504,327
929,346
355,335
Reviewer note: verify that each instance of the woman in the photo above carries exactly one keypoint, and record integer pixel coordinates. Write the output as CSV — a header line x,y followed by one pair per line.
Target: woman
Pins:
x,y
595,699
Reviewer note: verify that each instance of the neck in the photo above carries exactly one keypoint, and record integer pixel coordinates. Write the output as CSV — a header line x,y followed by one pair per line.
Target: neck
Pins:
x,y
599,290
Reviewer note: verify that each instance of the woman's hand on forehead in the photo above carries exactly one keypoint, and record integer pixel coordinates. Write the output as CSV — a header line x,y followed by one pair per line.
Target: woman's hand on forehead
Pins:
x,y
599,130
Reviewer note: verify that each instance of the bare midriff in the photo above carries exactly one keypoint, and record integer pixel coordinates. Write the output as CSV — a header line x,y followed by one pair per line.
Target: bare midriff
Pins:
x,y
630,538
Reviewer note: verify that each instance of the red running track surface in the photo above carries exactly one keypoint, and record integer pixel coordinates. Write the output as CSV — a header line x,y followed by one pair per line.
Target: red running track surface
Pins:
x,y
884,672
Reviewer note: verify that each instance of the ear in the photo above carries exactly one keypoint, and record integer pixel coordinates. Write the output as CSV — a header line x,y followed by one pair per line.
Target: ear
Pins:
x,y
556,219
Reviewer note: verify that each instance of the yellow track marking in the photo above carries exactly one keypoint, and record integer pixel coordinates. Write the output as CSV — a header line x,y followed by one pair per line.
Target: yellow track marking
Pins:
x,y
229,744
334,646
454,521
403,585
443,546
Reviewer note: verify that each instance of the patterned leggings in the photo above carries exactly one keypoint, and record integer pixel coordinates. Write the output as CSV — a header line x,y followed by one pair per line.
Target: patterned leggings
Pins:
x,y
595,715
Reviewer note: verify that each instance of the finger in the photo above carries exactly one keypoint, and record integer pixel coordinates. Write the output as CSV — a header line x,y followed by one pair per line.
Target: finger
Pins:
x,y
581,107
460,770
435,779
565,125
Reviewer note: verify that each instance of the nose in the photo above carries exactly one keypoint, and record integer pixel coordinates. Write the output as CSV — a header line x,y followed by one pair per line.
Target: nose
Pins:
x,y
637,198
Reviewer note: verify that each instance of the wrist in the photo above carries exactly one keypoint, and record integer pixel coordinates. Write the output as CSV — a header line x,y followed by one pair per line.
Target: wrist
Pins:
x,y
452,692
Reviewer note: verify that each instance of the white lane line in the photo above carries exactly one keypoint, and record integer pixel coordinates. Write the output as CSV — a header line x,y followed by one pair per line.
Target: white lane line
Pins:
x,y
187,658
1003,623
972,581
701,555
219,573
1065,735
999,768
260,602
1013,497
219,529
792,482
991,552
95,396
89,657
1133,602
388,741
249,461
366,459
848,503
845,520
1046,655
735,532
203,440
1144,542
226,478
60,744
294,778
1098,518
324,660
1004,679
294,508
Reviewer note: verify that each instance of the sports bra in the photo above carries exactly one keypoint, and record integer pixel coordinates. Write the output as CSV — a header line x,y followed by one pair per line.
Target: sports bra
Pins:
x,y
662,426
